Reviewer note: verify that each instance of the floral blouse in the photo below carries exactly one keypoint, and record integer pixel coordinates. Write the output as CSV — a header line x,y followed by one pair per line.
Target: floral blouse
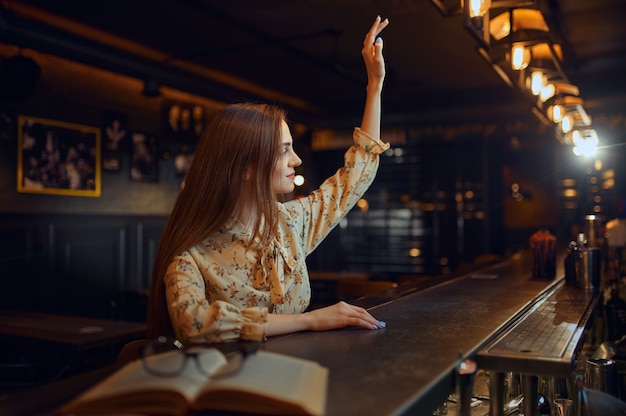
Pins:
x,y
222,289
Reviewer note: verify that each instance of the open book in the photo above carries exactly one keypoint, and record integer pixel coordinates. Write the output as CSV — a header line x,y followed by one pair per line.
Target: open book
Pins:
x,y
268,383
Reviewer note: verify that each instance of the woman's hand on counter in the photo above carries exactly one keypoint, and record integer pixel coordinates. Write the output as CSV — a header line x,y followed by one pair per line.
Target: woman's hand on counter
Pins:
x,y
339,315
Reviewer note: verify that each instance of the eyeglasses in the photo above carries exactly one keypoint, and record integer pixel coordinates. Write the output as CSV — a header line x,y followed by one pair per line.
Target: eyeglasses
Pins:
x,y
167,357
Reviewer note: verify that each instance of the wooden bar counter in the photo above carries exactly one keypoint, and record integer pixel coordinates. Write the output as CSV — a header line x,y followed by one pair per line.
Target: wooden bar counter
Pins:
x,y
408,367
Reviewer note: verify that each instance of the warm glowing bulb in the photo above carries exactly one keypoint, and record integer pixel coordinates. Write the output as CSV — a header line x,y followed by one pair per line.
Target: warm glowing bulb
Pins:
x,y
567,124
299,180
547,92
414,252
363,204
577,138
592,137
478,8
536,82
587,147
557,113
520,57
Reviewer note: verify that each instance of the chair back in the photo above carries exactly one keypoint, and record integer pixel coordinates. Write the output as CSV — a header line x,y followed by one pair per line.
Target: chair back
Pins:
x,y
130,352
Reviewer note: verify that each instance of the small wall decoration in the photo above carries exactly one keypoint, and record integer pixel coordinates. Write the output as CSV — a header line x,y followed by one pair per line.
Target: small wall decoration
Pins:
x,y
182,160
111,163
115,136
143,157
183,123
115,131
60,158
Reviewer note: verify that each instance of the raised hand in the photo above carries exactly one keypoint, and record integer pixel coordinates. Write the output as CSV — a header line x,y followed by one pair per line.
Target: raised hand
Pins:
x,y
373,52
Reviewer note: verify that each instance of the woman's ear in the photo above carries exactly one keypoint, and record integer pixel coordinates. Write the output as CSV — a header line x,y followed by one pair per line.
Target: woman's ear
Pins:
x,y
248,174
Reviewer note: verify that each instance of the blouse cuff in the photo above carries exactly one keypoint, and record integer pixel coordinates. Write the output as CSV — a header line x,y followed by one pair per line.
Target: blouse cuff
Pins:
x,y
254,324
368,142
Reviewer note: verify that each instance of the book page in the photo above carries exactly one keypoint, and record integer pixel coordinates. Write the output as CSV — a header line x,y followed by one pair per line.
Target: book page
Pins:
x,y
268,383
133,383
281,378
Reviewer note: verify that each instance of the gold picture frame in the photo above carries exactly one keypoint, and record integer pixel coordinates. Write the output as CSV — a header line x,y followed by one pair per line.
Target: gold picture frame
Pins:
x,y
58,158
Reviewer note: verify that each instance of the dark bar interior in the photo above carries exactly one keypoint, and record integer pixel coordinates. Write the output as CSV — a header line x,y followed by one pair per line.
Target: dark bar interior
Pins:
x,y
491,241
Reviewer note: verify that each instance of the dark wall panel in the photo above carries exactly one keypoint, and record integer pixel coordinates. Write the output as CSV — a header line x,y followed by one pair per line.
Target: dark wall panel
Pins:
x,y
20,261
88,265
92,263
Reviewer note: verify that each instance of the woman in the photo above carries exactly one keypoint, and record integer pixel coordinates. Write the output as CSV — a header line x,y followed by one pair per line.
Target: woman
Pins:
x,y
231,262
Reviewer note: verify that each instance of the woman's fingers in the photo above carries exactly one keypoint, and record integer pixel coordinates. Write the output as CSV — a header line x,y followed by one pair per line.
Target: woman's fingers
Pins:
x,y
363,318
381,26
371,34
376,28
340,315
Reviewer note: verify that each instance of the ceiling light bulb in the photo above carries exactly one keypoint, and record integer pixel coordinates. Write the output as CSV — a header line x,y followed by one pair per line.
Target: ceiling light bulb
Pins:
x,y
577,151
536,82
567,124
586,147
557,113
478,8
546,92
577,138
592,137
520,57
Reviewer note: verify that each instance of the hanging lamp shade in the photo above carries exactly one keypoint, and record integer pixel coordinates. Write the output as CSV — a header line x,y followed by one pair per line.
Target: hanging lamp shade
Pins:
x,y
542,51
523,19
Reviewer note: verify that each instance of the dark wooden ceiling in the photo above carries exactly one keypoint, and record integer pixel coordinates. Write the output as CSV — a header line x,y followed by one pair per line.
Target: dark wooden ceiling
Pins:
x,y
305,54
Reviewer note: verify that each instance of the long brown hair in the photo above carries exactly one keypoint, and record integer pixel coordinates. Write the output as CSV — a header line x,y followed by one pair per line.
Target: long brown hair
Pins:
x,y
240,137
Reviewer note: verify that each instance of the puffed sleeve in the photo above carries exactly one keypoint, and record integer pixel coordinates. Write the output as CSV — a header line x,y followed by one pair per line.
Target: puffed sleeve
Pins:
x,y
324,208
195,319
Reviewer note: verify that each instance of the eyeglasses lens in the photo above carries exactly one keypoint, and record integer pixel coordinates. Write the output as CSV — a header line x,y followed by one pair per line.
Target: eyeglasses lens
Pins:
x,y
210,362
164,357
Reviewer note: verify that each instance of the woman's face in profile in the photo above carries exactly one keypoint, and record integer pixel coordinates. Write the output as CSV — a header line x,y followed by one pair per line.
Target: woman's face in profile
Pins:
x,y
284,171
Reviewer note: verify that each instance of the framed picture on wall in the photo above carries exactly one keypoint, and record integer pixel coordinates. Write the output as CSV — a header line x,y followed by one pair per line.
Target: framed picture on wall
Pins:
x,y
59,158
143,157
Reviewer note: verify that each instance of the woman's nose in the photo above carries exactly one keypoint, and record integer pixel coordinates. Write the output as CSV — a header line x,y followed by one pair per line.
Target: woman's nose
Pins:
x,y
295,160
